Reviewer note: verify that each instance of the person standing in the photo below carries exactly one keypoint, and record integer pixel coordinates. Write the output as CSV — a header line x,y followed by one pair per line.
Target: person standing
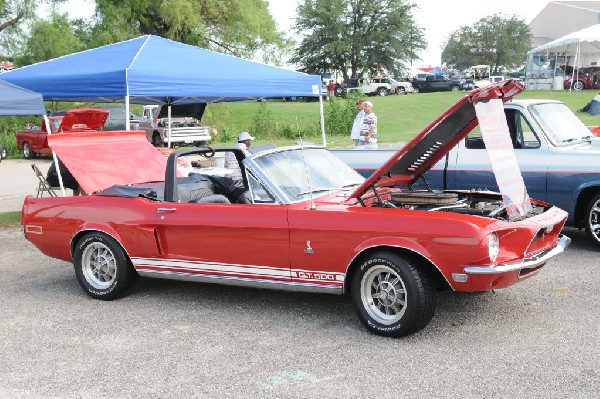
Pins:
x,y
355,132
331,89
231,161
368,127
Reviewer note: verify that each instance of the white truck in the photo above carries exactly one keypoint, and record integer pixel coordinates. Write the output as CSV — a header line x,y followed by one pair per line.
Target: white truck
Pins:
x,y
369,87
185,127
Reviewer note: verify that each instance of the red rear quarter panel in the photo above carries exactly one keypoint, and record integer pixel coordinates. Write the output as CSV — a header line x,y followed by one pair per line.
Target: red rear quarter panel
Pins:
x,y
52,223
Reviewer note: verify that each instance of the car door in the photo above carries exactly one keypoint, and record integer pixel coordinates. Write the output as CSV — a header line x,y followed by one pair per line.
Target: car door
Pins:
x,y
230,241
469,166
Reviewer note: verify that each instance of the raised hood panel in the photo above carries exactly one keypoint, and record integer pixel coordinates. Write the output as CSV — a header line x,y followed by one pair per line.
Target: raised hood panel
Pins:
x,y
100,160
83,119
183,110
437,139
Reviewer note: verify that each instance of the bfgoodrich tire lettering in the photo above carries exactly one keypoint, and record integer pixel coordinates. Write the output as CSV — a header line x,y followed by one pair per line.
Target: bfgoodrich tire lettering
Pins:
x,y
391,296
102,267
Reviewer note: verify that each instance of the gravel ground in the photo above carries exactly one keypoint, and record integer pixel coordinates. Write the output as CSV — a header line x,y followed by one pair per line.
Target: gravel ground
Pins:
x,y
538,339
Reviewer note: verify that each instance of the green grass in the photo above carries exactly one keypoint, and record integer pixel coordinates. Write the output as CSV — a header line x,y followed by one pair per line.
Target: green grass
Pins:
x,y
400,117
10,219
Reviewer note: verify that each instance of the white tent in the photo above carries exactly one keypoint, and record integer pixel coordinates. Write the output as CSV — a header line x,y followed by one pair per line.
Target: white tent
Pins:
x,y
577,49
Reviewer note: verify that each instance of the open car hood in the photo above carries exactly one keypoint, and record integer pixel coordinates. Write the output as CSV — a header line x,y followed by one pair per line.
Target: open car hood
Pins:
x,y
83,119
183,110
422,152
103,159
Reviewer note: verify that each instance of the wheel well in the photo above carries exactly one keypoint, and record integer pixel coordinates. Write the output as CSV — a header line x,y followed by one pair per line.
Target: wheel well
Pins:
x,y
80,234
423,263
584,198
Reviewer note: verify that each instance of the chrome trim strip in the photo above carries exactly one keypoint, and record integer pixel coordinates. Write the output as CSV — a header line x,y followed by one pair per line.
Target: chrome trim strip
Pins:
x,y
243,282
530,263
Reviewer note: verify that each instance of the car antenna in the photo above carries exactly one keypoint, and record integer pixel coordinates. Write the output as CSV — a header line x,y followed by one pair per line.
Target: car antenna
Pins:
x,y
312,201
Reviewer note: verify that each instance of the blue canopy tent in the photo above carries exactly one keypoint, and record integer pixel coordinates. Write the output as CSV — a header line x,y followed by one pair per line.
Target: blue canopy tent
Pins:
x,y
154,70
15,100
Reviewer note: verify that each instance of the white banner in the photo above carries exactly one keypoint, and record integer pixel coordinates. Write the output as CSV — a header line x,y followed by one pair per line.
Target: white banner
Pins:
x,y
496,136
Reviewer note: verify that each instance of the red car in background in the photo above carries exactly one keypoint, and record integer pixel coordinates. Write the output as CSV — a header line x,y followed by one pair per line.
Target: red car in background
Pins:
x,y
34,140
584,79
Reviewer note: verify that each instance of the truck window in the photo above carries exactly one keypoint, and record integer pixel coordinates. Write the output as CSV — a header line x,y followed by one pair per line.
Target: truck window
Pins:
x,y
521,134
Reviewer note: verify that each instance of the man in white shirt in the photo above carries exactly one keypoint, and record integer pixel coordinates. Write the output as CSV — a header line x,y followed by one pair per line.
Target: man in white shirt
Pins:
x,y
355,132
368,127
231,162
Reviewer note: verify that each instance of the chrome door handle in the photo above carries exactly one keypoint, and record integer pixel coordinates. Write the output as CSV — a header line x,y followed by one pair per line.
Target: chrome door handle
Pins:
x,y
163,210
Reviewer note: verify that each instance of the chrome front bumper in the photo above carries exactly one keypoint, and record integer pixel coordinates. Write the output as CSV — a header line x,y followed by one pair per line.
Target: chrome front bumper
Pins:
x,y
528,263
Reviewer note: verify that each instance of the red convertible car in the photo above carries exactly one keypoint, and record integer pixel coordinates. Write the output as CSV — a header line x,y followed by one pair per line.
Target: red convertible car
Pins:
x,y
299,220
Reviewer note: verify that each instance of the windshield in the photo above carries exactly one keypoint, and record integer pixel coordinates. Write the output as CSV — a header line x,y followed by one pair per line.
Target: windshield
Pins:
x,y
561,125
298,174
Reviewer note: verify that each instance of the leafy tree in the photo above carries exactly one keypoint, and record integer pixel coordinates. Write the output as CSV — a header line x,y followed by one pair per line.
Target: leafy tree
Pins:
x,y
496,40
239,27
356,36
50,39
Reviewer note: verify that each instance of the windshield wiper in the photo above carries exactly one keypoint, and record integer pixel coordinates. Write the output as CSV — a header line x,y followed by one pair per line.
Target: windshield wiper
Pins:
x,y
322,189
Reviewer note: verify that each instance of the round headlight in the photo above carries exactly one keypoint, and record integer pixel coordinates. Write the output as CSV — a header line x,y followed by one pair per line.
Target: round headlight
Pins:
x,y
493,246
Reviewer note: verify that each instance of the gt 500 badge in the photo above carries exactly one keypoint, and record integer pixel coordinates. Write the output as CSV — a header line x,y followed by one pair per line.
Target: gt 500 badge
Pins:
x,y
315,276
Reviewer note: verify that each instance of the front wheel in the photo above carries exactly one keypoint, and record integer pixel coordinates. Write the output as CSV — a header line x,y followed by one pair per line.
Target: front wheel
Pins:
x,y
401,90
3,152
454,88
382,91
156,140
391,296
578,85
27,152
102,267
592,219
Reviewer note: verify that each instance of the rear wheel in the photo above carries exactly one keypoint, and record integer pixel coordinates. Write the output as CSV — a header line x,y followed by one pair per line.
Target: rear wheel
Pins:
x,y
27,153
101,266
401,90
454,88
3,153
382,91
592,219
391,296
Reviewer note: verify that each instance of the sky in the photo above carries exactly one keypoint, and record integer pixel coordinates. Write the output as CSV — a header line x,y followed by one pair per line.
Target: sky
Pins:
x,y
438,18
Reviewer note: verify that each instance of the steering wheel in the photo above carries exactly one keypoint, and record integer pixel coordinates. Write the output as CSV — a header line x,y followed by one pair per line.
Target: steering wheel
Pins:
x,y
210,153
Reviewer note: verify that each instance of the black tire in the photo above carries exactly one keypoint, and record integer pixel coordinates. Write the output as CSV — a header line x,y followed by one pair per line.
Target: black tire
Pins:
x,y
408,300
578,85
339,91
401,90
454,88
3,152
101,266
27,153
382,91
156,140
592,219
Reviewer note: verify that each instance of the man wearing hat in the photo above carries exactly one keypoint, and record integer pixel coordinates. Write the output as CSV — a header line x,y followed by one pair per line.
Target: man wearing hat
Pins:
x,y
231,162
368,126
355,132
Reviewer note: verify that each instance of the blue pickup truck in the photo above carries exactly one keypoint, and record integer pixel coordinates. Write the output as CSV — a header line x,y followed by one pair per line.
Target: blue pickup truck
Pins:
x,y
558,156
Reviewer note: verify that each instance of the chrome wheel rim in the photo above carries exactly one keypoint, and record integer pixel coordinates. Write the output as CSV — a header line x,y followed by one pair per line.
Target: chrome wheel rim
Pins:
x,y
383,295
26,150
99,266
594,220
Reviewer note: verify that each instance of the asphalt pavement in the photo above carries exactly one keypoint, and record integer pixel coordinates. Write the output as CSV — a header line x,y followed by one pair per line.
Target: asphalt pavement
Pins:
x,y
168,339
17,180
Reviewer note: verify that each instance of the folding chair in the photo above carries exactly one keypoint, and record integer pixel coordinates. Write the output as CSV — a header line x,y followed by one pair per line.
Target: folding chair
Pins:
x,y
43,186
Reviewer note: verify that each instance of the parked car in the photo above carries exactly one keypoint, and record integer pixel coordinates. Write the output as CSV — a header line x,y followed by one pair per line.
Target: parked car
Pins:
x,y
34,140
185,127
369,87
583,79
433,82
302,220
397,87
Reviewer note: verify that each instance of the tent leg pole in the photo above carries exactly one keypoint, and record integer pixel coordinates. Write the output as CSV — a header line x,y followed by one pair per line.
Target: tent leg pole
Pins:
x,y
55,158
127,119
322,120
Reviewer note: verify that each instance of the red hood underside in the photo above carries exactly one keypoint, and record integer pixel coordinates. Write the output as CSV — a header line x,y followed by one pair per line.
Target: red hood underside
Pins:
x,y
98,160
